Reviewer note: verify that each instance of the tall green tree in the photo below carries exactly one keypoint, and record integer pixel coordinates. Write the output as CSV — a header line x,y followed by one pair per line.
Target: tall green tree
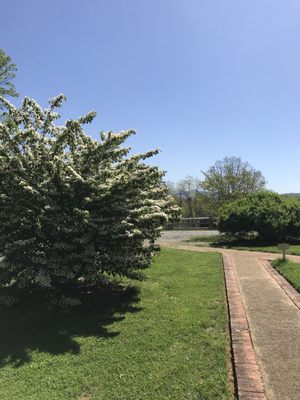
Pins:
x,y
230,179
7,74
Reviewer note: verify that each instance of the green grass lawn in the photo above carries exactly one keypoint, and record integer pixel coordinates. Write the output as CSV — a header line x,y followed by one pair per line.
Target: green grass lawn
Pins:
x,y
243,244
290,270
163,338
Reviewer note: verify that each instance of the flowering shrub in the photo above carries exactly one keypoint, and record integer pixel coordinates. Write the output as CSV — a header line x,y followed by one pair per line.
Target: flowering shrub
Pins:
x,y
72,207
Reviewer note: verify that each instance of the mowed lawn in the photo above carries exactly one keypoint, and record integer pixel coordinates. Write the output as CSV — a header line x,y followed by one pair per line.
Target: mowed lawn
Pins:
x,y
290,270
163,338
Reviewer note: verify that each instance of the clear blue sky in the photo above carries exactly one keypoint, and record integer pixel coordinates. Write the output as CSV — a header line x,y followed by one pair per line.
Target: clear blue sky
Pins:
x,y
200,79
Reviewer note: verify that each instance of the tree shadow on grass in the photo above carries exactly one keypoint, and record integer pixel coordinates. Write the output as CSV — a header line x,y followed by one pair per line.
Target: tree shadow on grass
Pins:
x,y
28,326
229,243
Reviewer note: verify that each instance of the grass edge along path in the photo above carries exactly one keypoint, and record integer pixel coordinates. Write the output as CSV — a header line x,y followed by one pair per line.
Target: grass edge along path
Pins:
x,y
163,338
289,270
222,241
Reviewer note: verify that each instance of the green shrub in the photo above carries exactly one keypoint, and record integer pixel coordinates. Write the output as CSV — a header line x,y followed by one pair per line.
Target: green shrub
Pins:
x,y
71,206
264,213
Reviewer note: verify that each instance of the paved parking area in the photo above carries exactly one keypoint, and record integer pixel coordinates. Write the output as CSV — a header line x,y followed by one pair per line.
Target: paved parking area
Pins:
x,y
179,236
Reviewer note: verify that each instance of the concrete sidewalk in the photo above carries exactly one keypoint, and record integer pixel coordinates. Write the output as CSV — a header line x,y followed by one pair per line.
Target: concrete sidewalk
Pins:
x,y
274,320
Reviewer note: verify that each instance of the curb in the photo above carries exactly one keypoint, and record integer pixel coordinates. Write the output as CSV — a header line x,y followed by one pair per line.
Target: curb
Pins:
x,y
289,290
248,378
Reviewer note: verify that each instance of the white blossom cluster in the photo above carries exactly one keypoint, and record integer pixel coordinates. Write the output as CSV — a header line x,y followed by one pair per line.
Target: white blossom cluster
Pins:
x,y
72,206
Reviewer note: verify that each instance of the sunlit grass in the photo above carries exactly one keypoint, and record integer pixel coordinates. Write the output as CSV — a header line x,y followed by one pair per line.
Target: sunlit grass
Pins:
x,y
163,338
290,270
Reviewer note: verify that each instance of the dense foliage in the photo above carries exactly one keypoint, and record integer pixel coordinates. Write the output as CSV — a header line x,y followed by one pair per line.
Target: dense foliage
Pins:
x,y
265,213
71,206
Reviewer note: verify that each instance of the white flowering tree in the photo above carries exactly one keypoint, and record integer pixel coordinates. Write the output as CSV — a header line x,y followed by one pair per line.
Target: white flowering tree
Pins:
x,y
72,207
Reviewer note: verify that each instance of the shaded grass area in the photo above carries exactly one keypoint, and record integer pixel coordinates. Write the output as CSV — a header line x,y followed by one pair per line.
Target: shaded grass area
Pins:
x,y
229,242
290,271
163,338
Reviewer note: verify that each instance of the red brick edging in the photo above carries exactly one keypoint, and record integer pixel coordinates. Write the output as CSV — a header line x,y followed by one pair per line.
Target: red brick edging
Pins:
x,y
248,378
290,291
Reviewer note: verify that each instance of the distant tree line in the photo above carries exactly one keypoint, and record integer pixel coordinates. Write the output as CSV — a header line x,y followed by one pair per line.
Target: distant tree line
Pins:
x,y
227,180
234,192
